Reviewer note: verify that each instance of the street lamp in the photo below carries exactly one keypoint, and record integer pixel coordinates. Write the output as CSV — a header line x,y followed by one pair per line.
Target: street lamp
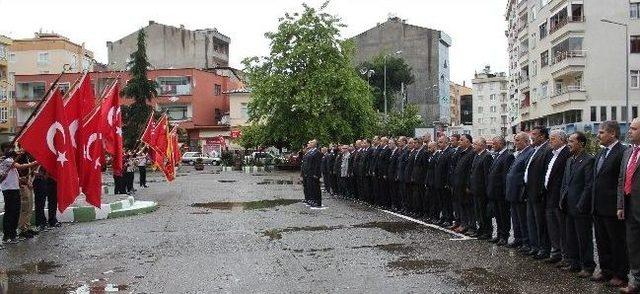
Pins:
x,y
368,72
626,54
384,91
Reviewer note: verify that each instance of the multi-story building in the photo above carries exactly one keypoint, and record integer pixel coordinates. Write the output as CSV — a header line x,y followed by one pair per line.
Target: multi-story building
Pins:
x,y
194,99
48,53
7,121
172,47
490,104
567,66
426,51
455,92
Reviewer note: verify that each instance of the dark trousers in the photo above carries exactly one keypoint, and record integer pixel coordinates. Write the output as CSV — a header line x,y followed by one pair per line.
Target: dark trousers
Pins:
x,y
385,189
43,192
482,216
579,230
556,228
408,195
444,196
312,191
537,228
11,213
457,208
432,203
395,195
502,212
129,177
119,185
519,219
417,198
633,242
342,186
143,175
612,246
467,218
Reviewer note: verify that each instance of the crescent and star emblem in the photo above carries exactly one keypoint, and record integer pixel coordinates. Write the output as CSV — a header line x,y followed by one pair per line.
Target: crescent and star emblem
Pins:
x,y
53,129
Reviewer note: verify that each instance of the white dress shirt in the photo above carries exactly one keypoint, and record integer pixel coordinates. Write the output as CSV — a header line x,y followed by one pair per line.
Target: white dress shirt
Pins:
x,y
550,166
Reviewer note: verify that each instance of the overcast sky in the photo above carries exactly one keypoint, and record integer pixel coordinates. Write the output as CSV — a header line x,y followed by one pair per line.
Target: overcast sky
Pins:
x,y
475,26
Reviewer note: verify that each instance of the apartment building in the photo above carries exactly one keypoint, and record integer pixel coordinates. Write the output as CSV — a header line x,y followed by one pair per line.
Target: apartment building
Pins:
x,y
48,53
7,121
567,62
456,91
490,104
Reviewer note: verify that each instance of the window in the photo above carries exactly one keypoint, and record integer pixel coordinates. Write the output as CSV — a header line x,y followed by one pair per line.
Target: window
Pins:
x,y
593,113
64,87
244,109
543,30
634,10
544,59
480,120
12,57
625,113
603,113
217,90
494,120
178,112
635,44
480,109
544,90
634,79
493,109
634,112
614,113
3,51
492,97
43,58
480,132
534,68
174,86
493,131
480,97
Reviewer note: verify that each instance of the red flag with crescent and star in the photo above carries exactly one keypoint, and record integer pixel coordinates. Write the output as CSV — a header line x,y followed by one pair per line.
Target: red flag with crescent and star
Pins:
x,y
148,133
111,121
80,102
50,125
91,162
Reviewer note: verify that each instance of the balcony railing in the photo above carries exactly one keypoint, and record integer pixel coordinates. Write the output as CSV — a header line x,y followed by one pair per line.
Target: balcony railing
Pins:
x,y
568,89
561,23
562,55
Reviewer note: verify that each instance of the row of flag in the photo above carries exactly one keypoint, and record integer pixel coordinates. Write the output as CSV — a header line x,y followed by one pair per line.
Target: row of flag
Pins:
x,y
78,132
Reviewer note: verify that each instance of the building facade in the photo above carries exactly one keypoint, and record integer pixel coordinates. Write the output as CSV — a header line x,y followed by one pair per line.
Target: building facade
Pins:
x,y
7,119
455,92
490,104
48,53
173,47
193,99
426,51
567,67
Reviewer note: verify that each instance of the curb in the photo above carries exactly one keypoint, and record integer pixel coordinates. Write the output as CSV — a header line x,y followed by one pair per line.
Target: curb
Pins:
x,y
122,208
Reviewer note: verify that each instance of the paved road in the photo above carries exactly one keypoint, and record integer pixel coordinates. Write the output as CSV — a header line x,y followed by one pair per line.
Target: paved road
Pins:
x,y
212,234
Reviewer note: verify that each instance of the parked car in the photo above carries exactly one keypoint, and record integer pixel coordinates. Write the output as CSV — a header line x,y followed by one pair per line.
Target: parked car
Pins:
x,y
260,157
191,157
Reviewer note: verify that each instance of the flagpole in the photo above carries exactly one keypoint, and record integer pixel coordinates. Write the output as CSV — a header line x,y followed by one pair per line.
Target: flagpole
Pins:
x,y
39,105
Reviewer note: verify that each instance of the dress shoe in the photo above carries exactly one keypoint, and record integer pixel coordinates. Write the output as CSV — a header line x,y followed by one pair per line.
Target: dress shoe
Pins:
x,y
532,252
484,237
571,268
524,249
629,289
494,240
553,259
472,234
618,283
540,256
600,278
502,242
585,273
462,230
453,227
514,244
562,264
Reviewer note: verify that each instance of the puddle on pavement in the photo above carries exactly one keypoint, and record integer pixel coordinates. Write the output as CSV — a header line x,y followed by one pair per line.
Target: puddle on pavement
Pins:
x,y
486,280
394,248
227,181
16,281
391,227
239,206
276,234
99,286
276,182
421,265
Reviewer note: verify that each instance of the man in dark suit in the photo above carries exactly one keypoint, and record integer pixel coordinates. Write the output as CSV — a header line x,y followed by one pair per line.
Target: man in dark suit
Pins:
x,y
496,191
417,177
629,205
440,181
325,168
461,189
431,204
311,172
575,202
403,157
478,185
382,165
408,170
362,170
373,166
453,161
534,183
390,174
609,230
515,193
552,186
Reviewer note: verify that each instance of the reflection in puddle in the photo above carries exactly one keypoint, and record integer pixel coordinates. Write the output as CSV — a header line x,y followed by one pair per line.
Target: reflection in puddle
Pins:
x,y
434,265
391,227
16,281
394,248
239,206
486,280
276,234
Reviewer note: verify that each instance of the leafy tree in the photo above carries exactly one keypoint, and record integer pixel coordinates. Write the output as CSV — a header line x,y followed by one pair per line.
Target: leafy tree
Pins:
x,y
141,90
307,88
398,72
402,123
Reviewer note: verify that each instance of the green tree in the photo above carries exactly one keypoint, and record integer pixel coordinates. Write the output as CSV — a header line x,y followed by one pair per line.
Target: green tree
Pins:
x,y
307,88
398,72
141,90
402,123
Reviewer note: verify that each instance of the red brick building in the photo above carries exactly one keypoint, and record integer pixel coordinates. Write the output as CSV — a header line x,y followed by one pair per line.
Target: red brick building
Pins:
x,y
194,99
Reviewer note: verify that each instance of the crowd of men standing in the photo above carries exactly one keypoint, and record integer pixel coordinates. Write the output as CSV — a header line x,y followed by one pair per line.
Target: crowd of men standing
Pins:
x,y
548,196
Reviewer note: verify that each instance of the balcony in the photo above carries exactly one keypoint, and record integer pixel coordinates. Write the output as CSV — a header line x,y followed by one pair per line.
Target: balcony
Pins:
x,y
30,91
566,62
572,24
568,94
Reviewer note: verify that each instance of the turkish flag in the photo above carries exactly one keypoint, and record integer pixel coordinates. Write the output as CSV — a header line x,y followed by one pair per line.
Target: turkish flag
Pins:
x,y
111,121
80,102
177,155
160,139
91,161
148,133
56,155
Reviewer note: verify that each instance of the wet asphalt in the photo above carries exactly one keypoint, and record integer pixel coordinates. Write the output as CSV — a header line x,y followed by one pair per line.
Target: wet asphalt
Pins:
x,y
232,232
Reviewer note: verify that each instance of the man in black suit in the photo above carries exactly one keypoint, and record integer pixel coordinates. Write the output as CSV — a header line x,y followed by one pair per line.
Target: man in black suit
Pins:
x,y
331,161
325,168
609,230
382,165
453,161
496,191
440,182
403,157
534,182
552,186
408,170
575,202
335,171
478,185
461,189
363,162
373,165
515,191
311,172
629,205
417,177
390,174
431,204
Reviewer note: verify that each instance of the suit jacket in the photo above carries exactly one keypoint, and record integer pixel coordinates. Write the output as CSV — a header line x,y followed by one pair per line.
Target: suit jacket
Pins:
x,y
351,163
370,161
331,162
515,176
325,164
462,172
432,161
441,169
373,163
337,164
394,155
554,187
420,162
479,171
361,167
634,197
496,180
604,198
535,176
408,168
576,185
453,162
403,159
383,162
311,164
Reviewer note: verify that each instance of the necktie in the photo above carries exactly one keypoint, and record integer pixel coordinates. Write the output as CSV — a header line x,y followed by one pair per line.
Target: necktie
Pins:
x,y
630,169
602,158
